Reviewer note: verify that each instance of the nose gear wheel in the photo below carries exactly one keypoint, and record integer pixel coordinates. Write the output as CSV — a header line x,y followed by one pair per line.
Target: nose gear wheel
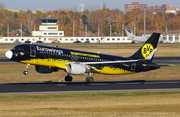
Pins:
x,y
26,72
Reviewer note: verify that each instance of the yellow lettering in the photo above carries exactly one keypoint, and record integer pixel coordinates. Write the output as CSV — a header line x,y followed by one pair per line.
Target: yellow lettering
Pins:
x,y
87,55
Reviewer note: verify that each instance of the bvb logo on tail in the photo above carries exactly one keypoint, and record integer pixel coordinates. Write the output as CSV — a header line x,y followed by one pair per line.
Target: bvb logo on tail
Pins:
x,y
146,50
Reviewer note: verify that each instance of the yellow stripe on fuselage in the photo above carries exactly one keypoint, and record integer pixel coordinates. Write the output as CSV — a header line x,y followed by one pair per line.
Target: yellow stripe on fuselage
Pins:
x,y
61,63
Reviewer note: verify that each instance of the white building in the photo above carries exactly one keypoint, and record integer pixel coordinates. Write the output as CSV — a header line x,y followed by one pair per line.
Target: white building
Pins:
x,y
48,30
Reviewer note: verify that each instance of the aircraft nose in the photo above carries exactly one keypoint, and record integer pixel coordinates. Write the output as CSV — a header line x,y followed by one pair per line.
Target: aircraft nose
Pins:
x,y
9,54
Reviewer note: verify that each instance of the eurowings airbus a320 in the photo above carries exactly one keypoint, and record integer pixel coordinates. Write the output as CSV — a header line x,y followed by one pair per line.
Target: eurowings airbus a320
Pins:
x,y
51,59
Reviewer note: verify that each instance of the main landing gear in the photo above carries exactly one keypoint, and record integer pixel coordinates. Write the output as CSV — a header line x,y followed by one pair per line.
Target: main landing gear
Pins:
x,y
68,78
89,79
26,72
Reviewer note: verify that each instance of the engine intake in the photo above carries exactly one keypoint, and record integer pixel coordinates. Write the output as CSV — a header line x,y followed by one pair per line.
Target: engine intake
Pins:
x,y
75,68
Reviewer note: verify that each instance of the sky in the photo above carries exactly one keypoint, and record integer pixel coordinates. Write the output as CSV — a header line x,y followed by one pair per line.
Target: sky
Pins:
x,y
50,5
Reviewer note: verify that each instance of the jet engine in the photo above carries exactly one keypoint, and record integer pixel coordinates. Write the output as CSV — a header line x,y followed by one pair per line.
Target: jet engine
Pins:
x,y
45,69
75,69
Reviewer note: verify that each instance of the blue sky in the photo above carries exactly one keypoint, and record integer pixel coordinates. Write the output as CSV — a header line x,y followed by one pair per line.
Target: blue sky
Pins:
x,y
50,5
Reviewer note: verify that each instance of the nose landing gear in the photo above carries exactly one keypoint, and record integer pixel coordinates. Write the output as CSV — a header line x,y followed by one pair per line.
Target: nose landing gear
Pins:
x,y
26,72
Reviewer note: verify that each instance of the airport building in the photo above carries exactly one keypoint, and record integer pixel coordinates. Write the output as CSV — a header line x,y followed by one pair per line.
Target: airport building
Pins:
x,y
48,32
164,8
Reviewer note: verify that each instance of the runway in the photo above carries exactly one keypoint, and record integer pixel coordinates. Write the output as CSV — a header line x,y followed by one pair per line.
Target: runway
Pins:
x,y
79,87
167,60
5,60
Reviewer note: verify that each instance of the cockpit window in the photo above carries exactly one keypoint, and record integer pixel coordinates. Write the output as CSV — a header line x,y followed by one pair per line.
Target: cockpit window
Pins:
x,y
18,48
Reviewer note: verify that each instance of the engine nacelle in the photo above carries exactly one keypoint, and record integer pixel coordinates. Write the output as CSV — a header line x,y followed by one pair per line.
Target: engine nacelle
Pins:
x,y
75,68
45,69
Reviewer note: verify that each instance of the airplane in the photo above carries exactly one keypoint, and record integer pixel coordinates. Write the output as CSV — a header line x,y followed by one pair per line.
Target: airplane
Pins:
x,y
49,59
134,38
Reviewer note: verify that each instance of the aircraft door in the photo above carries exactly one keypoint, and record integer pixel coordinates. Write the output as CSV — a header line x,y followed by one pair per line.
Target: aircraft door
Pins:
x,y
133,66
32,51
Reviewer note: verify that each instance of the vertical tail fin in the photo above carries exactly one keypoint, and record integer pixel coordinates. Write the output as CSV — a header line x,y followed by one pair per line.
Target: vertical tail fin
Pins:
x,y
147,50
129,33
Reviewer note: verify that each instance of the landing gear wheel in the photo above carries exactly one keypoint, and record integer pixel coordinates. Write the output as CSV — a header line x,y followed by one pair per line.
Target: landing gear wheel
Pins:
x,y
68,78
133,42
25,72
89,79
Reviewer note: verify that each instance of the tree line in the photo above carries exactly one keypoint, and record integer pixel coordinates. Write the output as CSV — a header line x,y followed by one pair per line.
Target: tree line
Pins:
x,y
104,20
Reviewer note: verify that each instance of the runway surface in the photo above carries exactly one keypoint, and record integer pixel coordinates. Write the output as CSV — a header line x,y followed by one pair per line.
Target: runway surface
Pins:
x,y
165,60
5,60
77,87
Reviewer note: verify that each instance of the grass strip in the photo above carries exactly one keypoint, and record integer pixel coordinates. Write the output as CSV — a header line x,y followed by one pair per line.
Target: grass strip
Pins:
x,y
133,104
83,95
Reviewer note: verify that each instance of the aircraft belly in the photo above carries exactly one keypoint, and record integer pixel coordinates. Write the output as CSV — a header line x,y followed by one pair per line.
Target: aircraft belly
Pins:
x,y
109,70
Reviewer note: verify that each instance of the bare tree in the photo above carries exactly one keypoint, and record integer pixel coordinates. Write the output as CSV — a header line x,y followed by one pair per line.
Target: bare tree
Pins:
x,y
2,6
1,10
